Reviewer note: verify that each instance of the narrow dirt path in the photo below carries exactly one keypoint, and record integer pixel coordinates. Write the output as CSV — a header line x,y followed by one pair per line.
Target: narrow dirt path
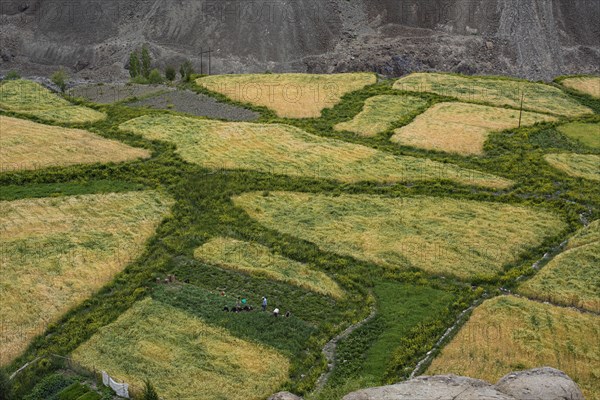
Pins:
x,y
330,348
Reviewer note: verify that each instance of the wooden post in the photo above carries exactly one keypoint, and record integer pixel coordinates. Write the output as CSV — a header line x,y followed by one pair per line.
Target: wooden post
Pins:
x,y
521,111
209,55
201,60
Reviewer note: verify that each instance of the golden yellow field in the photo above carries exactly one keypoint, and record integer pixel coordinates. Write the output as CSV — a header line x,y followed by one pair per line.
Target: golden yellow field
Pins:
x,y
55,252
508,333
29,145
578,165
380,112
289,95
438,235
286,150
259,260
584,84
460,127
572,278
30,98
494,91
182,356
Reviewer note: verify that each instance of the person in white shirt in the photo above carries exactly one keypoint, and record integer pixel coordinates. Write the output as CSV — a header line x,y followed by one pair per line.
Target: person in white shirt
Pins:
x,y
276,312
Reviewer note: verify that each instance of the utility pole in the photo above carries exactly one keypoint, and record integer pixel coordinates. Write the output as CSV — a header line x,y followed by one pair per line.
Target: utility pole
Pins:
x,y
521,112
202,52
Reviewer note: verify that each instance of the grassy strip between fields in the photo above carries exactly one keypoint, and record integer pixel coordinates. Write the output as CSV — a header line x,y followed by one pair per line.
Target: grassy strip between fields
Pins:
x,y
57,251
289,95
30,98
573,277
286,150
259,260
26,145
183,356
495,91
585,166
507,333
460,127
464,239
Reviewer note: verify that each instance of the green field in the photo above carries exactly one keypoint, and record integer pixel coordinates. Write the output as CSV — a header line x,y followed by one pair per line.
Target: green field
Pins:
x,y
30,98
258,260
286,150
56,252
494,91
289,95
460,127
572,278
465,239
507,333
381,112
585,166
586,133
183,356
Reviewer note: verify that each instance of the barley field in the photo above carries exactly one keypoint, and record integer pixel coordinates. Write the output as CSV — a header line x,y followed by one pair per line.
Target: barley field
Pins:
x,y
30,98
56,252
460,127
585,166
497,92
183,356
289,95
258,260
26,145
572,278
586,133
438,235
286,150
380,112
584,84
508,333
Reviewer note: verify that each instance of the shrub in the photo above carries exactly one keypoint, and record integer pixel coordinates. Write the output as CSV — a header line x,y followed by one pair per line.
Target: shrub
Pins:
x,y
4,386
49,387
170,73
186,70
59,78
12,75
155,77
149,392
134,64
146,62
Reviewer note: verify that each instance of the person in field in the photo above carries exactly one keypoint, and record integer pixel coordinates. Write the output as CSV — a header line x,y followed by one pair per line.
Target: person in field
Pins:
x,y
264,304
276,312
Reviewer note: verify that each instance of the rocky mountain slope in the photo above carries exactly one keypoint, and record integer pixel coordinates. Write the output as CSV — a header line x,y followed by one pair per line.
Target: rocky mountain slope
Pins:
x,y
536,39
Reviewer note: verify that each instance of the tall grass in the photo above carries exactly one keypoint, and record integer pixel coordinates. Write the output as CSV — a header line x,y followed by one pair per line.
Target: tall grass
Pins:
x,y
589,85
586,133
585,166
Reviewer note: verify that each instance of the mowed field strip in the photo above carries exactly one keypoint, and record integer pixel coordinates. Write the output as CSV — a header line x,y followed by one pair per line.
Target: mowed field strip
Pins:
x,y
460,127
286,150
30,98
586,133
438,235
508,333
184,357
289,95
589,85
494,91
585,166
380,112
29,145
255,259
56,251
572,278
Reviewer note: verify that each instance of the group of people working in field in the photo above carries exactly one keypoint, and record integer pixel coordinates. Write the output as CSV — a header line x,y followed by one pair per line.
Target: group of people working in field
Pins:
x,y
243,306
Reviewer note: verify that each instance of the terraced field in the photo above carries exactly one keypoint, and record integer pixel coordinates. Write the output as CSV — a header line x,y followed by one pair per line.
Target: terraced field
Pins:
x,y
30,98
442,236
289,95
589,85
381,112
585,166
508,333
186,357
26,145
495,91
286,150
586,133
56,252
573,277
258,260
460,127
